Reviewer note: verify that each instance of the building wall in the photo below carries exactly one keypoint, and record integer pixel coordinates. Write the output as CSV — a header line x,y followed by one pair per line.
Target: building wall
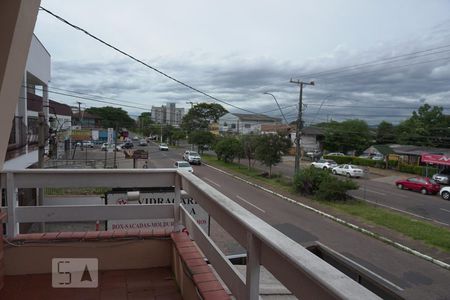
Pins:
x,y
38,62
36,73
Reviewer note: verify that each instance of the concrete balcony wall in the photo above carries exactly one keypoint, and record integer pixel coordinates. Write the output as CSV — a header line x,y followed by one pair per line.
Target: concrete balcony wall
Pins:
x,y
36,257
303,273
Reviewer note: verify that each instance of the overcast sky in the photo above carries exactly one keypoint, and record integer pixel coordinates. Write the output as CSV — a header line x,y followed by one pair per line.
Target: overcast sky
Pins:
x,y
237,50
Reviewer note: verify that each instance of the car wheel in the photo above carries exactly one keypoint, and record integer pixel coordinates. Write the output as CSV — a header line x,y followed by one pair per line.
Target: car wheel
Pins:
x,y
424,191
324,168
349,175
445,195
400,186
334,172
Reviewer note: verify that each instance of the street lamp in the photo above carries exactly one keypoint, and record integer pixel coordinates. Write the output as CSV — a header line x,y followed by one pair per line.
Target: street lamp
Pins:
x,y
267,93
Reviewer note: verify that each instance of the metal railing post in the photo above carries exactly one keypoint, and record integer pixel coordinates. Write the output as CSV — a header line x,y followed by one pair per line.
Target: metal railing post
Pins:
x,y
12,228
176,204
253,266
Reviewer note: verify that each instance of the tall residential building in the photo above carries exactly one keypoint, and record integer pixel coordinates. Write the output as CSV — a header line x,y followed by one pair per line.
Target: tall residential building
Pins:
x,y
167,114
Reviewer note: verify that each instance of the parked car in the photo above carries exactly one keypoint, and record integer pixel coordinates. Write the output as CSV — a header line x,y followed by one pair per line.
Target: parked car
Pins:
x,y
336,154
325,164
445,193
163,147
314,153
143,142
127,145
184,166
424,185
443,177
348,170
192,157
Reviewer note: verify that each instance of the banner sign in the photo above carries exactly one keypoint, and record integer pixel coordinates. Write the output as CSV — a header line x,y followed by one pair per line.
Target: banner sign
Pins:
x,y
120,198
81,135
436,159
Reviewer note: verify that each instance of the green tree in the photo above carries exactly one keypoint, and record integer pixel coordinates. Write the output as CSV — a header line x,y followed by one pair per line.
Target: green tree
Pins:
x,y
270,149
249,144
112,117
227,149
385,133
201,115
349,135
428,126
201,138
178,134
143,123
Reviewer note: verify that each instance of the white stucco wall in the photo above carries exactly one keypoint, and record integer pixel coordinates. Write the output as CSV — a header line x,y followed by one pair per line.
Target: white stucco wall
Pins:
x,y
38,61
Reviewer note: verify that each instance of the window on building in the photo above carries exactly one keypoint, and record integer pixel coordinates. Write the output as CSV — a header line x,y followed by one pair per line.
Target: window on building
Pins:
x,y
233,126
247,125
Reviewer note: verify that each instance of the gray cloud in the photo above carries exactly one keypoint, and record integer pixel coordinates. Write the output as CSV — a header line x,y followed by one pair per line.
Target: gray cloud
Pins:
x,y
242,81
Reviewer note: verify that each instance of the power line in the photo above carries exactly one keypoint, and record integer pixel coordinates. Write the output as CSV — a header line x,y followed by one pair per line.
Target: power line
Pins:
x,y
376,62
102,97
142,62
96,100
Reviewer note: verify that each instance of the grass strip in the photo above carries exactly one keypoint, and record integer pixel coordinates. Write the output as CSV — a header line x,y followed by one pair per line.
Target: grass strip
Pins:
x,y
418,230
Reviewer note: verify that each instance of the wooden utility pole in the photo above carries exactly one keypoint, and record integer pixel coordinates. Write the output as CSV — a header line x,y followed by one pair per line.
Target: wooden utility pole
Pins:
x,y
299,123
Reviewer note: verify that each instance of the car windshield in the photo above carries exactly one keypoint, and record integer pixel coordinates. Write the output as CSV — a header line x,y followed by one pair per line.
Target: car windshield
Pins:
x,y
432,181
163,145
330,161
183,165
194,153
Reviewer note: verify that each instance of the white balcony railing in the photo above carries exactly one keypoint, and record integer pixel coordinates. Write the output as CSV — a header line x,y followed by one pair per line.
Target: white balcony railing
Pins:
x,y
303,273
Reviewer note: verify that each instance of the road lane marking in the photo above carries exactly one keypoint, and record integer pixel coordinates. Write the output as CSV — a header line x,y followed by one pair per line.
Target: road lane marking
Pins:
x,y
372,191
216,184
239,197
343,222
445,210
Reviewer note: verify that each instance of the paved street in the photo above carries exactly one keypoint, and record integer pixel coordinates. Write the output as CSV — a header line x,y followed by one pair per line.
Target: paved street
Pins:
x,y
412,277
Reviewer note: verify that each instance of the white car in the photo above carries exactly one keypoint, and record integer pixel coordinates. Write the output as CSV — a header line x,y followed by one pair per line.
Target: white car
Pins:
x,y
324,164
184,166
348,170
445,193
335,154
163,147
192,157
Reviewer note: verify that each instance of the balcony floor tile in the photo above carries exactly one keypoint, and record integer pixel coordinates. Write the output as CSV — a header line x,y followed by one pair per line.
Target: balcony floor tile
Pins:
x,y
154,283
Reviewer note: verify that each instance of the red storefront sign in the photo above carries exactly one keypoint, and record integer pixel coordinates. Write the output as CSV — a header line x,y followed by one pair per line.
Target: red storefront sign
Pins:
x,y
436,159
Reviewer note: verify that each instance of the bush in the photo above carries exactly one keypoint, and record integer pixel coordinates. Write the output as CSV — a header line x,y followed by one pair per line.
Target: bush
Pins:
x,y
334,189
418,170
307,181
323,185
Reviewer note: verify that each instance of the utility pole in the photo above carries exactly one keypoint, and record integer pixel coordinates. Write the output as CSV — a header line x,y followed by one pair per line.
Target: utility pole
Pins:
x,y
79,113
299,122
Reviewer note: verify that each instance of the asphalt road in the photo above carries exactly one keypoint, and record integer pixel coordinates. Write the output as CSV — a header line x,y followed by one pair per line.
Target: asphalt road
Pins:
x,y
429,207
382,191
410,276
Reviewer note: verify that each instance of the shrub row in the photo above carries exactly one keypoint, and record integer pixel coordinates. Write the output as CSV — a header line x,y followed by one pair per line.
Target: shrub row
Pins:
x,y
320,183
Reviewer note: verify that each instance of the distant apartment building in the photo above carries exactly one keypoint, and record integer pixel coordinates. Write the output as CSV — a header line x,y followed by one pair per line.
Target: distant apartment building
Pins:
x,y
167,114
22,145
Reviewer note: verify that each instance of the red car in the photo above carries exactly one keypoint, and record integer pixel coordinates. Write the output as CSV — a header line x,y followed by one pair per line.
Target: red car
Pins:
x,y
424,185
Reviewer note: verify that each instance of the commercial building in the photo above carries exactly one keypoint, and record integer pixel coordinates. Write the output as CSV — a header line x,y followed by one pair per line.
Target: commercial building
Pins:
x,y
244,123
